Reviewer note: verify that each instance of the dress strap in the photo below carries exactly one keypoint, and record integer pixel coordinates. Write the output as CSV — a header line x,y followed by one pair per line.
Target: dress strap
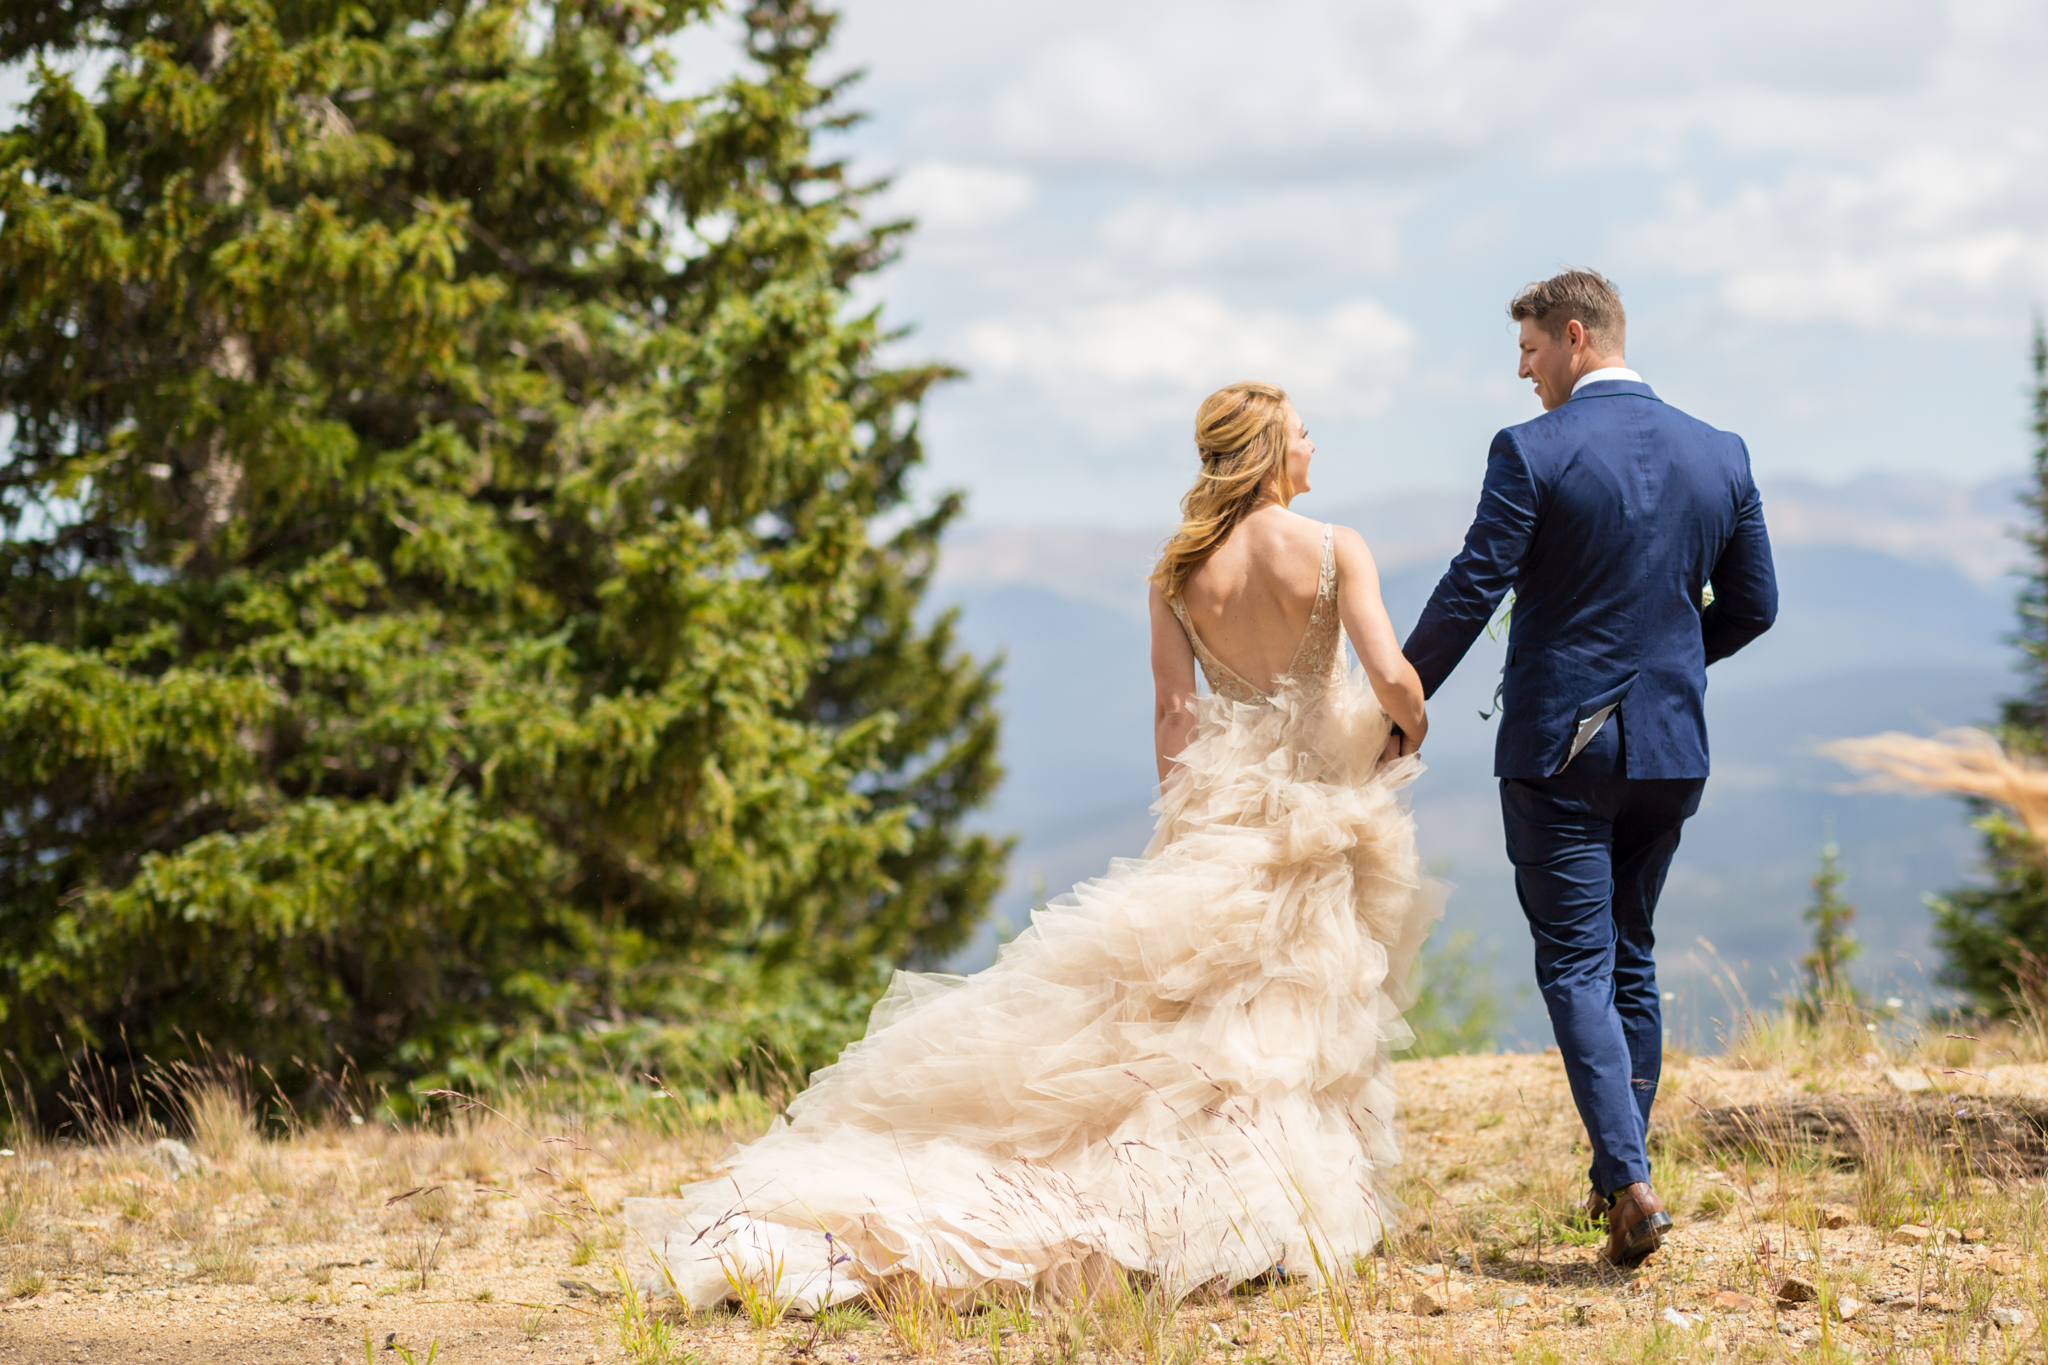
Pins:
x,y
1316,656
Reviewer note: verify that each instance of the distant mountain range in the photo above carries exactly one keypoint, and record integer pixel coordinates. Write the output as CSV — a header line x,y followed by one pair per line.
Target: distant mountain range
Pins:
x,y
1897,599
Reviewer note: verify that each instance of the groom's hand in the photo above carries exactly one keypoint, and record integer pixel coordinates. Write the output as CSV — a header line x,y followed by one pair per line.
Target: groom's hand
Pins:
x,y
1399,744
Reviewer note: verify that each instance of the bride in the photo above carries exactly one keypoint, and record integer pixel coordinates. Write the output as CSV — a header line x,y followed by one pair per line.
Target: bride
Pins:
x,y
1181,1068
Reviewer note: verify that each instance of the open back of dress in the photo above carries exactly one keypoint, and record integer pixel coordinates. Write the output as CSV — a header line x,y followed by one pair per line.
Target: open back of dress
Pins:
x,y
1315,657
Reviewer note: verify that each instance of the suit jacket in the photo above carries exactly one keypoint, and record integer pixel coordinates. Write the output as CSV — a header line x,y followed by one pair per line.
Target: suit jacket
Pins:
x,y
1607,516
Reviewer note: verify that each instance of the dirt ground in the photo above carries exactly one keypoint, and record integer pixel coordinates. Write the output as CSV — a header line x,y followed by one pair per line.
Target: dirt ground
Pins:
x,y
499,1242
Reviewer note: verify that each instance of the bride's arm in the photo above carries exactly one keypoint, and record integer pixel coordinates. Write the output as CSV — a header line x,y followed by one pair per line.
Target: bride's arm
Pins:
x,y
1394,680
1173,684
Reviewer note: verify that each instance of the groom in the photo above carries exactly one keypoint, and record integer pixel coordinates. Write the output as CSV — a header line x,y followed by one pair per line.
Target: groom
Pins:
x,y
1609,516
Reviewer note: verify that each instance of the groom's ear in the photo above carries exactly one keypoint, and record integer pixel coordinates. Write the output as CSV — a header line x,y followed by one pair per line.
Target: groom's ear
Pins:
x,y
1574,334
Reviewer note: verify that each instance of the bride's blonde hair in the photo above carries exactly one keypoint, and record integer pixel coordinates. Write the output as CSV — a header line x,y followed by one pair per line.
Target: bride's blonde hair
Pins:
x,y
1241,435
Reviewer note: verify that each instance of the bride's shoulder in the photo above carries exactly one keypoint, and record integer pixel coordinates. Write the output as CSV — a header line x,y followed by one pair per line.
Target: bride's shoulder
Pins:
x,y
1352,553
1346,536
1288,527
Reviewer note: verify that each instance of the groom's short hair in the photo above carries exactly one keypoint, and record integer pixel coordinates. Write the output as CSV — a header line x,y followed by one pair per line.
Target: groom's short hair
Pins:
x,y
1582,294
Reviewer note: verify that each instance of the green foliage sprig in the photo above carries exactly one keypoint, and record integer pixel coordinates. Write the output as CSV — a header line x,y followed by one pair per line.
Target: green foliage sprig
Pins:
x,y
1828,985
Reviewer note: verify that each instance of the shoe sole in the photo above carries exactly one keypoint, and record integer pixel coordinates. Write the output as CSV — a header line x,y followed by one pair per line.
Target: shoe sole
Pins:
x,y
1644,1238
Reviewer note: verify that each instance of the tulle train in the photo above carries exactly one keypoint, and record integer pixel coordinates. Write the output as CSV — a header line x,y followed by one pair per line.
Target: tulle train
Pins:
x,y
1182,1068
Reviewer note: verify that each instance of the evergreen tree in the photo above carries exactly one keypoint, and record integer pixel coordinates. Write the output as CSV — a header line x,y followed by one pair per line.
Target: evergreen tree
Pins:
x,y
1984,931
1834,947
440,606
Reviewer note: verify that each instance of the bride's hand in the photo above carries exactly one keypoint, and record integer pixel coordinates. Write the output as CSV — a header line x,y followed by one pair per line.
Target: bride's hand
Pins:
x,y
1400,743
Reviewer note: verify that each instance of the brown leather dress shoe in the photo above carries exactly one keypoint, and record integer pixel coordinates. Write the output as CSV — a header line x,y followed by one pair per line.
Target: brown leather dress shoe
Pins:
x,y
1595,1211
1636,1225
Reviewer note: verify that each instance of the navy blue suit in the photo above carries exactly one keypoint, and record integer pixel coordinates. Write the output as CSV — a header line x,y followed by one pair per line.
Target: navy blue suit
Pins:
x,y
1608,516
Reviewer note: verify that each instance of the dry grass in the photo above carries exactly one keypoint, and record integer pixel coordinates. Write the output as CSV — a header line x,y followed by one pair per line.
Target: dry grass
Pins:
x,y
298,1248
493,1236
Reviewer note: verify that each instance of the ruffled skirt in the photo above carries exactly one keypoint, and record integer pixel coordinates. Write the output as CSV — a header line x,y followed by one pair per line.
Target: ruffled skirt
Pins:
x,y
1182,1068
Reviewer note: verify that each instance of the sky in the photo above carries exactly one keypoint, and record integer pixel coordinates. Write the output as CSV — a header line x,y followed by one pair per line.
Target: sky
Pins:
x,y
1828,221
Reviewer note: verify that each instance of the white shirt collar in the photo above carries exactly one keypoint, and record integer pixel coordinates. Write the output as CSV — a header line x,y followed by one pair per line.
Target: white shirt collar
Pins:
x,y
1611,372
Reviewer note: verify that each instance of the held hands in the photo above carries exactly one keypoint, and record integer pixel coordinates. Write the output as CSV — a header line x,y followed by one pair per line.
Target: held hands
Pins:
x,y
1400,744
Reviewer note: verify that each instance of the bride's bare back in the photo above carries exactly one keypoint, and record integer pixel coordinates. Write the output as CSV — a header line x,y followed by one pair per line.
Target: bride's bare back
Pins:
x,y
1250,600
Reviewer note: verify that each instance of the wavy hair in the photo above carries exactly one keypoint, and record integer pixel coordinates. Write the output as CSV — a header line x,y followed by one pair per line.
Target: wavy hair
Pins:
x,y
1241,436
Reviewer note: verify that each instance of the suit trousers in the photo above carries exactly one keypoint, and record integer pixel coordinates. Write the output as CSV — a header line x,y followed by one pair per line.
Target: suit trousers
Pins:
x,y
1591,847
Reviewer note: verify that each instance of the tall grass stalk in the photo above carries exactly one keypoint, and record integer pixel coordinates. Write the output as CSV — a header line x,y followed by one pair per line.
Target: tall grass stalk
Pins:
x,y
922,1317
1336,1299
760,1297
643,1338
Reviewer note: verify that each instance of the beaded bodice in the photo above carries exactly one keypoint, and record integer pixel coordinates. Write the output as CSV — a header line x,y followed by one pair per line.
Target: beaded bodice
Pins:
x,y
1315,658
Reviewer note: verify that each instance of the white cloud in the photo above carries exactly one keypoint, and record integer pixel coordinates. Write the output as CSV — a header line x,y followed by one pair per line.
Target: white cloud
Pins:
x,y
1160,349
1931,238
946,195
1211,86
1343,227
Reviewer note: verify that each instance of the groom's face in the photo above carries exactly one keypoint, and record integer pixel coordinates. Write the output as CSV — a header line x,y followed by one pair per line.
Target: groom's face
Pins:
x,y
1551,360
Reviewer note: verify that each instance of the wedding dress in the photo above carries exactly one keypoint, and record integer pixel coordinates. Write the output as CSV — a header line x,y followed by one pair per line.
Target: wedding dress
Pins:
x,y
1182,1067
